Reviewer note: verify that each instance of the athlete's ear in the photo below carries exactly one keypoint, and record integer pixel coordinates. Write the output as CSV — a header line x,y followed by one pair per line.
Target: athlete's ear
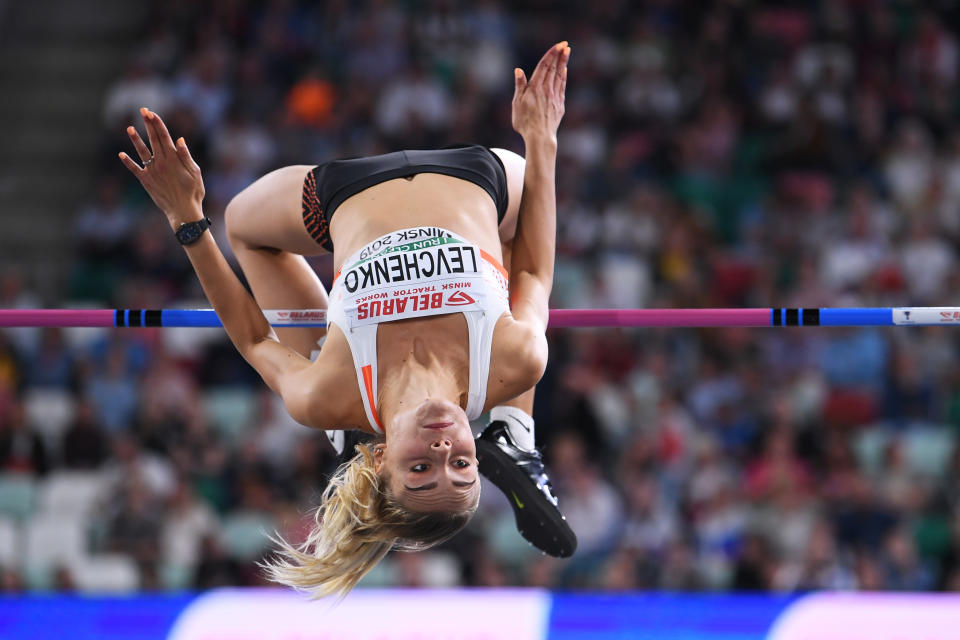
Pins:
x,y
378,452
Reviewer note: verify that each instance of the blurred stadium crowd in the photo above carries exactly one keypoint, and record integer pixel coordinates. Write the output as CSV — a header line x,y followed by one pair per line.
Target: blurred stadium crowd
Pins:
x,y
712,154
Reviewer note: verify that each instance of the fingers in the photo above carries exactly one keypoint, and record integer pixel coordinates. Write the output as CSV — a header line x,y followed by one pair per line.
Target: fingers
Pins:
x,y
138,144
160,141
560,73
184,154
146,115
547,65
131,165
161,130
520,81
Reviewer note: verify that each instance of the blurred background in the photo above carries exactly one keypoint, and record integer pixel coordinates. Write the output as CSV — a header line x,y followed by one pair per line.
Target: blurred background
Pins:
x,y
726,153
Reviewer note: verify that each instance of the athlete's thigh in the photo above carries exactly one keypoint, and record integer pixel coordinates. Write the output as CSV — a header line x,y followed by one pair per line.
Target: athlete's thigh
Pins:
x,y
269,213
514,166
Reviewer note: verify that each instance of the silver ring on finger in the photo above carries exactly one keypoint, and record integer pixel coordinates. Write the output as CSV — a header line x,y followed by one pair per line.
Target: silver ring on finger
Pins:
x,y
146,163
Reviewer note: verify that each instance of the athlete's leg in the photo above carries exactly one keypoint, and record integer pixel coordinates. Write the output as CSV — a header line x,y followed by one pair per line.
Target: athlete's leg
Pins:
x,y
508,456
513,165
266,230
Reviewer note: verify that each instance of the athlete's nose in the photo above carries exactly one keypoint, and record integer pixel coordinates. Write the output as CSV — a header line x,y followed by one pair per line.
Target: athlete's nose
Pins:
x,y
442,443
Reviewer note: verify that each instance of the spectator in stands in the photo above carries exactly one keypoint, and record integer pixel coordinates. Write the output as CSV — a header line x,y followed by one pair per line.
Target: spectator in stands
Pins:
x,y
85,445
21,449
134,527
52,366
215,569
113,394
187,523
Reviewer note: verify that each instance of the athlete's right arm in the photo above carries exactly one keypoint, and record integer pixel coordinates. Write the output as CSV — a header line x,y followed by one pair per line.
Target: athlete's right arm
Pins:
x,y
173,180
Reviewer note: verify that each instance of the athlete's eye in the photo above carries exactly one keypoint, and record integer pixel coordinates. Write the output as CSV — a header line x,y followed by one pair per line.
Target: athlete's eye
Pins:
x,y
420,468
461,464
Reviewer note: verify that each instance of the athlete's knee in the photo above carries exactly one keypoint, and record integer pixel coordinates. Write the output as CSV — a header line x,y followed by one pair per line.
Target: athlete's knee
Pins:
x,y
236,216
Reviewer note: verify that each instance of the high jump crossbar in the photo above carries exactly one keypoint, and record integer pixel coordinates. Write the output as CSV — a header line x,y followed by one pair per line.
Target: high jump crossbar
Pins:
x,y
765,317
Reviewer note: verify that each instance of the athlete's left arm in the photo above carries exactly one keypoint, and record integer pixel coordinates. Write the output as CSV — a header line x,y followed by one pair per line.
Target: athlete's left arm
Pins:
x,y
538,107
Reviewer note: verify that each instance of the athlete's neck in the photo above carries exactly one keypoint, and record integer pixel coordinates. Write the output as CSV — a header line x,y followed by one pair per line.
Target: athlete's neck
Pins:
x,y
419,376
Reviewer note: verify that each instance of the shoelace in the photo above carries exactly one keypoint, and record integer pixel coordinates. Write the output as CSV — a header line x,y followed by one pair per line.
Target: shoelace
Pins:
x,y
532,463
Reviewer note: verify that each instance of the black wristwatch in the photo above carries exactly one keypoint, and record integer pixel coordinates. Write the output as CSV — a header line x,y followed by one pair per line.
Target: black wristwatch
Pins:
x,y
190,232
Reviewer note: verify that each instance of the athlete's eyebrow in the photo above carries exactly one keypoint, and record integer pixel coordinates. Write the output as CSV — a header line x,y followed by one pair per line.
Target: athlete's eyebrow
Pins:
x,y
433,485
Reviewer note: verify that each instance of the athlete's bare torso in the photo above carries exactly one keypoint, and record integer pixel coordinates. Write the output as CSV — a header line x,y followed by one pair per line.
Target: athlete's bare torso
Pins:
x,y
426,199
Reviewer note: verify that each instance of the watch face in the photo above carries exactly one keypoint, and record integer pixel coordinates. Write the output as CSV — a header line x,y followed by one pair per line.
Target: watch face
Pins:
x,y
189,233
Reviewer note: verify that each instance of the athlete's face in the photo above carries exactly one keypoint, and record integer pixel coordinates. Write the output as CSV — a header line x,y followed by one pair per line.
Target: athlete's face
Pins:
x,y
431,458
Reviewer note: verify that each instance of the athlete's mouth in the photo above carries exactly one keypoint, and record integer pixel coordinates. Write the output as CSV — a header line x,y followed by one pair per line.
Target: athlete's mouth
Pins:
x,y
438,425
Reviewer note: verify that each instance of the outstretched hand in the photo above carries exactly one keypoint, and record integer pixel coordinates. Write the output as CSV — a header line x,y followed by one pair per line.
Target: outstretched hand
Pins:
x,y
169,174
538,104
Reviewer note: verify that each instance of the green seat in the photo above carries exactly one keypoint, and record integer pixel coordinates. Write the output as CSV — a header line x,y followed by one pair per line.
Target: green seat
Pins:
x,y
244,535
928,449
38,577
230,411
506,543
174,577
381,576
869,446
18,495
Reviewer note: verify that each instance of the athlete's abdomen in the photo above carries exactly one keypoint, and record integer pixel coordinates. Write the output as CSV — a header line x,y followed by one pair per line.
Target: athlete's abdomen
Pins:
x,y
428,199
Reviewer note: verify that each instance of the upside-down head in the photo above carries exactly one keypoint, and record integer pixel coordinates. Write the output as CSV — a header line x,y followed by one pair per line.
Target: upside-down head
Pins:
x,y
410,491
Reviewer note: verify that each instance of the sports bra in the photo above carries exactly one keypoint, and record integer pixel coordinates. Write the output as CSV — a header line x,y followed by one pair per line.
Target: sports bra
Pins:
x,y
416,273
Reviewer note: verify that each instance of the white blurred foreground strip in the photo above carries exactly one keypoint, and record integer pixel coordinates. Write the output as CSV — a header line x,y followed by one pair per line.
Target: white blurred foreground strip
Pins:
x,y
275,614
870,616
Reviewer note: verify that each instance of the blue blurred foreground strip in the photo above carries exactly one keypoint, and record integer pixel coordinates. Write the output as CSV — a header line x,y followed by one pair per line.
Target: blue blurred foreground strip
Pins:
x,y
88,618
491,614
656,616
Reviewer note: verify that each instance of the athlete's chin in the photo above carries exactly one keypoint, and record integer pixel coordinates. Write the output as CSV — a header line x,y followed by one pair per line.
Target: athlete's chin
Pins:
x,y
438,410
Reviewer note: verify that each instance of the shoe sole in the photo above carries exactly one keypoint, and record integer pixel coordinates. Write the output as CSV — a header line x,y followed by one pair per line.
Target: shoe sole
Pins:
x,y
538,520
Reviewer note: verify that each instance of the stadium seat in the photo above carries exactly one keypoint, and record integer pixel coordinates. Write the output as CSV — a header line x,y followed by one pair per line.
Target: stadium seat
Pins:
x,y
17,495
38,577
9,543
49,413
80,339
433,569
440,570
230,410
244,534
54,539
71,492
174,577
383,574
869,446
928,449
106,573
506,544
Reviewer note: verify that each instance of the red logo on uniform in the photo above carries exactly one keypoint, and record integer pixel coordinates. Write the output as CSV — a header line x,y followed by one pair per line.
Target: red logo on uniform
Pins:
x,y
459,298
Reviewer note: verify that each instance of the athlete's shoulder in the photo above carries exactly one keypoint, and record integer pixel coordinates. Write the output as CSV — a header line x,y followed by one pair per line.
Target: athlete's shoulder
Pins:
x,y
325,397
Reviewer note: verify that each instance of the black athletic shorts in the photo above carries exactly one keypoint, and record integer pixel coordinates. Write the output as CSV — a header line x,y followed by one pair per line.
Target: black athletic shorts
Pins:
x,y
329,184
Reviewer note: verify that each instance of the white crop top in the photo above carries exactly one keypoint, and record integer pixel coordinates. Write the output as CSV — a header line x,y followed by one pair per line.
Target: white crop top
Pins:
x,y
415,273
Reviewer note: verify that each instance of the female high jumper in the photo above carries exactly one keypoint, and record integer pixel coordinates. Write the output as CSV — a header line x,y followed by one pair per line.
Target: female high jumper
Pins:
x,y
444,265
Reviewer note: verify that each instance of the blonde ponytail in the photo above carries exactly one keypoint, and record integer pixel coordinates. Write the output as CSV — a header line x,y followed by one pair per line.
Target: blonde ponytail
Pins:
x,y
355,526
